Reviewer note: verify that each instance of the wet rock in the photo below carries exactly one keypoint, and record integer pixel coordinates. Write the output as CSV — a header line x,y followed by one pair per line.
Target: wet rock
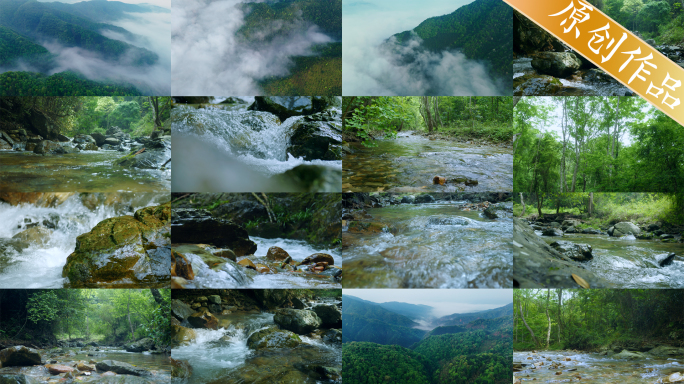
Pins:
x,y
591,231
297,303
532,84
557,64
17,379
570,223
577,252
141,345
203,319
242,211
277,253
630,355
35,236
529,38
330,315
155,155
180,368
45,147
408,199
226,253
316,140
311,178
19,356
215,299
247,263
126,249
84,139
273,337
663,259
56,369
333,336
623,229
552,232
497,211
99,138
87,147
317,258
287,106
300,321
181,335
571,229
113,141
180,310
83,367
120,368
198,226
423,199
180,266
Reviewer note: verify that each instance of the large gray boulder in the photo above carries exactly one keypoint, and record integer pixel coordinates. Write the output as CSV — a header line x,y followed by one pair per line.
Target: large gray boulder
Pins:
x,y
197,226
141,345
272,337
120,368
299,321
314,139
19,356
552,232
45,147
577,252
288,106
624,228
181,310
329,314
630,355
557,64
500,210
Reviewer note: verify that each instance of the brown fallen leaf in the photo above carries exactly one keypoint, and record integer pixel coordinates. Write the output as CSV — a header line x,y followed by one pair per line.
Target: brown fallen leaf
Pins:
x,y
580,281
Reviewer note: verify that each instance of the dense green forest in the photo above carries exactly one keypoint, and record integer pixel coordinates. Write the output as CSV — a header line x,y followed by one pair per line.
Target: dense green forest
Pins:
x,y
599,210
594,319
382,346
661,20
585,144
71,116
13,46
481,30
467,117
59,84
106,316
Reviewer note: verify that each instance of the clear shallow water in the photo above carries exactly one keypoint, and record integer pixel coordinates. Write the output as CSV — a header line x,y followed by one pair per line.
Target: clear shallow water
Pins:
x,y
431,246
626,262
86,171
43,261
256,140
413,161
229,277
594,369
231,361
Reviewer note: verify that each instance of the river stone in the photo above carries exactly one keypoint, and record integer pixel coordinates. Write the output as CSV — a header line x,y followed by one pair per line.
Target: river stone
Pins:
x,y
557,64
317,258
203,319
571,229
311,178
156,154
226,253
83,367
48,147
666,350
181,267
287,106
181,335
664,259
84,139
333,336
198,226
422,199
19,356
126,250
272,337
113,141
17,379
329,314
316,140
216,299
34,235
277,254
141,345
56,369
578,252
300,321
528,37
99,138
497,211
180,368
533,84
591,231
625,228
552,232
570,223
631,355
120,368
408,199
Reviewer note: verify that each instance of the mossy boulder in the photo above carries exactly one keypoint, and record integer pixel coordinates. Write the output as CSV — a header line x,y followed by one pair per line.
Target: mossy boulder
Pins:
x,y
536,85
300,321
197,226
288,106
126,250
19,356
273,337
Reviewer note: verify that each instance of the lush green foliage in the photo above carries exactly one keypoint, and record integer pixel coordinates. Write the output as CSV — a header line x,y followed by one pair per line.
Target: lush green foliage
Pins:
x,y
482,30
13,47
593,318
658,19
59,84
133,115
486,118
369,363
366,321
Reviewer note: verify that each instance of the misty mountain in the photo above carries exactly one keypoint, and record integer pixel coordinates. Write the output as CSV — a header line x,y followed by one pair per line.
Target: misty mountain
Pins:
x,y
482,30
504,323
413,311
105,11
14,46
465,318
367,321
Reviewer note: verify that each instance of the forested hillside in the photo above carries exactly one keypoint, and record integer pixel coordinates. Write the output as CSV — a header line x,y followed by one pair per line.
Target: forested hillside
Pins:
x,y
475,30
465,318
59,84
478,352
661,20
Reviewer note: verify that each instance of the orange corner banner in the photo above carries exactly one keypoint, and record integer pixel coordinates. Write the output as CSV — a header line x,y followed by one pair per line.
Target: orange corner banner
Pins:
x,y
612,48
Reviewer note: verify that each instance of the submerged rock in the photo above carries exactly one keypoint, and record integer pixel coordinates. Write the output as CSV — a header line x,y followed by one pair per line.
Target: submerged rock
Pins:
x,y
181,335
663,259
120,368
300,321
123,250
497,211
273,337
198,226
19,356
577,252
180,368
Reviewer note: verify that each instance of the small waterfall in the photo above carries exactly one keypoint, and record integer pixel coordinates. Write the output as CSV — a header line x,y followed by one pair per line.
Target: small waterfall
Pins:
x,y
43,256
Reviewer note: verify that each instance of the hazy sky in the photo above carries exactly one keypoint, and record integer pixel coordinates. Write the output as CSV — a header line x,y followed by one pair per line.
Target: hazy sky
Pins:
x,y
159,3
444,301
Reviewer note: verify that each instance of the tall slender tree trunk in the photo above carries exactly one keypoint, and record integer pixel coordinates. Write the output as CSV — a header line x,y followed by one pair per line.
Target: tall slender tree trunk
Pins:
x,y
522,202
128,315
522,316
548,318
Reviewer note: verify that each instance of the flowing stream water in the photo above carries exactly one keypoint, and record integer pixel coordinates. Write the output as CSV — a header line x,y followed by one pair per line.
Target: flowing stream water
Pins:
x,y
435,245
85,171
592,368
227,276
413,161
45,255
222,356
627,262
253,140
